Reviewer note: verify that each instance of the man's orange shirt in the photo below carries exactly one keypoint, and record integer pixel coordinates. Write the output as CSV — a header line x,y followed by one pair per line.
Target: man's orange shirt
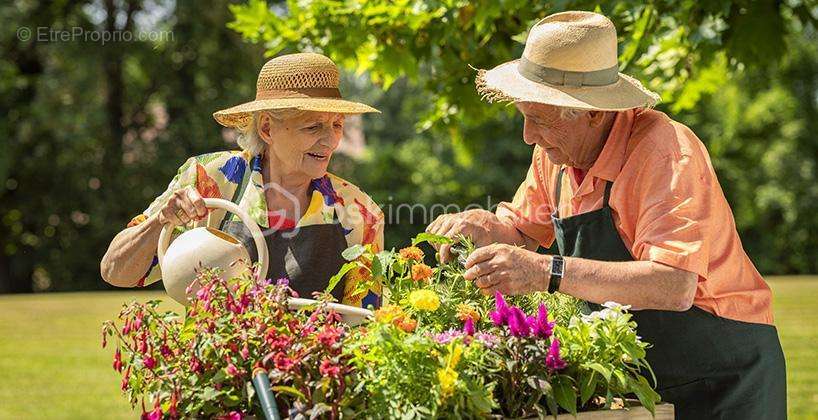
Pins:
x,y
668,207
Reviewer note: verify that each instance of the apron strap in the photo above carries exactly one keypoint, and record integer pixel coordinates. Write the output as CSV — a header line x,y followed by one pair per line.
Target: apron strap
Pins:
x,y
237,194
605,199
608,186
559,191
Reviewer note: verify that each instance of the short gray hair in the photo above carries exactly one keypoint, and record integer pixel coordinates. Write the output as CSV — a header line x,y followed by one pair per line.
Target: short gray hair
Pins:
x,y
248,138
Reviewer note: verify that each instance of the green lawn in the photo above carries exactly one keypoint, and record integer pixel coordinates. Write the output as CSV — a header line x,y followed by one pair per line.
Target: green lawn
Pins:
x,y
52,365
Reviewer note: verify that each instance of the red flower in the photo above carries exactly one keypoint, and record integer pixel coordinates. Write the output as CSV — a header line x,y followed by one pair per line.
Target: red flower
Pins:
x,y
330,369
165,350
282,362
195,365
118,361
232,370
329,336
125,379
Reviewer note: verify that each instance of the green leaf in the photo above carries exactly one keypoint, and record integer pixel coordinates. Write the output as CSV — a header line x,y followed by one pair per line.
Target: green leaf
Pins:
x,y
289,390
333,281
431,238
602,370
565,394
353,252
587,386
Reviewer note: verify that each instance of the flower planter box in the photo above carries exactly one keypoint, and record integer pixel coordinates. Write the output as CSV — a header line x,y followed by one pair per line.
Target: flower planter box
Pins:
x,y
664,411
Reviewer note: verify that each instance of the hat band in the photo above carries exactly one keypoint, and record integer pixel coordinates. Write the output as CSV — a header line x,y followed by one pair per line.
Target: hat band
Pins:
x,y
298,93
541,74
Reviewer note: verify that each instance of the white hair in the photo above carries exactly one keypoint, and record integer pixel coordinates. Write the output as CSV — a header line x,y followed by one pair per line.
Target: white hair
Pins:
x,y
248,138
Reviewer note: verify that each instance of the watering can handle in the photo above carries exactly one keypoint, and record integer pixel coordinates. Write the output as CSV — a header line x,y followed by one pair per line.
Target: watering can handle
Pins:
x,y
218,203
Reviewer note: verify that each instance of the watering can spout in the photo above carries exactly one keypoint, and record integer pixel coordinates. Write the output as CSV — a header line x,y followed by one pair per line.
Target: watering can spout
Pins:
x,y
207,247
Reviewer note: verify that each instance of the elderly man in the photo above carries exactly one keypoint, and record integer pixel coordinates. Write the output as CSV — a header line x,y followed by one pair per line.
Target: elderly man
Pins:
x,y
639,218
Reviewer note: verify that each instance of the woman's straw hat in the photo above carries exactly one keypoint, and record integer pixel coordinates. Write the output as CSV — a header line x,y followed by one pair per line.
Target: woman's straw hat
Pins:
x,y
305,81
569,61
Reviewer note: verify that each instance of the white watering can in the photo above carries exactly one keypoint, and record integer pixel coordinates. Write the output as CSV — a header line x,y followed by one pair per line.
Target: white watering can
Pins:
x,y
208,246
214,248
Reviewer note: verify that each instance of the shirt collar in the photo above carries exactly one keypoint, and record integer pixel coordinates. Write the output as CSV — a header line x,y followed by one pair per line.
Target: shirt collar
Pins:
x,y
612,157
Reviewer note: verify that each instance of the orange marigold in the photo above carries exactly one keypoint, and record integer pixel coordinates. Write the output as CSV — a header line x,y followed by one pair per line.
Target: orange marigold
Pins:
x,y
465,311
421,272
411,253
407,324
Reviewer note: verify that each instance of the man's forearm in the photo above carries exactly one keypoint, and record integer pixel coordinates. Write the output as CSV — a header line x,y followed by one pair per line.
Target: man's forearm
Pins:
x,y
641,284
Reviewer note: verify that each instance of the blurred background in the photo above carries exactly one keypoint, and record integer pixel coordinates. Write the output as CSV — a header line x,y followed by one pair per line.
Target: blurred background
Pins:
x,y
103,100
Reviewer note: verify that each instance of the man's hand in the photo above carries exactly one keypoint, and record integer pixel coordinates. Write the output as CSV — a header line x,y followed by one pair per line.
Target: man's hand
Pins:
x,y
509,269
481,226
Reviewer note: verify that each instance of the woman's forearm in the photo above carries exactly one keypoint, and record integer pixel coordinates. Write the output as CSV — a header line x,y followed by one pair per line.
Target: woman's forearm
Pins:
x,y
641,284
130,254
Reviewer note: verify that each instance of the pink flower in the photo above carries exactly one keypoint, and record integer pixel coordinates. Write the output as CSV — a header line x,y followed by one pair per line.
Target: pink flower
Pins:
x,y
329,336
232,370
468,326
552,359
540,325
448,336
245,352
137,322
330,369
488,340
156,414
517,323
149,362
118,360
233,415
124,384
195,365
501,313
282,362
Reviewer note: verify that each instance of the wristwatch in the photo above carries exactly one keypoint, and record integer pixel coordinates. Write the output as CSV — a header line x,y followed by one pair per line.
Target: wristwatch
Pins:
x,y
557,266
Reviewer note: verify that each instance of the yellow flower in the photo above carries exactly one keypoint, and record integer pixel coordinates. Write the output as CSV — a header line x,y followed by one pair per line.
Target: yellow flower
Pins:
x,y
421,272
424,300
466,311
411,253
454,356
448,379
388,313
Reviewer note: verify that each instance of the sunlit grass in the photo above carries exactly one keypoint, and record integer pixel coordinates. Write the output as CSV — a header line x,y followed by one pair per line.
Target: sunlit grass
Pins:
x,y
52,365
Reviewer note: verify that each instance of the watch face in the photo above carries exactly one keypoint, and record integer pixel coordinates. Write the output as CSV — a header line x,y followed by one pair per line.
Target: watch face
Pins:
x,y
556,266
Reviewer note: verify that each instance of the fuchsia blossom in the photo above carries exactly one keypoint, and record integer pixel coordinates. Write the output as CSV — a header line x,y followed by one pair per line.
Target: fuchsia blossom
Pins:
x,y
232,370
233,415
329,336
156,414
118,360
245,352
149,362
552,359
330,369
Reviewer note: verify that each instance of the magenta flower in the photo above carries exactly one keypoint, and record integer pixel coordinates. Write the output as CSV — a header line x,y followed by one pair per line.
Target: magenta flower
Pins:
x,y
149,362
468,326
518,323
552,359
233,415
540,326
501,313
156,414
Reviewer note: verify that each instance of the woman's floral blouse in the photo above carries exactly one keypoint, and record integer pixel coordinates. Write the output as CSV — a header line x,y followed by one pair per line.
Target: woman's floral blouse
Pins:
x,y
219,174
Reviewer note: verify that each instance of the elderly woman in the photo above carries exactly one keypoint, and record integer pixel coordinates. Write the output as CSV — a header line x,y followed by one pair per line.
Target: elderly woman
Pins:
x,y
288,136
632,200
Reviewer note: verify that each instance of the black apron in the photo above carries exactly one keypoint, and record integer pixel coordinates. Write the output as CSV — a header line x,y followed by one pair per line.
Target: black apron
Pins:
x,y
308,256
707,366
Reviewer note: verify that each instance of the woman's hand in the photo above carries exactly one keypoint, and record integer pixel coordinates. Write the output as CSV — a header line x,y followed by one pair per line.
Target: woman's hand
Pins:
x,y
184,205
481,226
509,269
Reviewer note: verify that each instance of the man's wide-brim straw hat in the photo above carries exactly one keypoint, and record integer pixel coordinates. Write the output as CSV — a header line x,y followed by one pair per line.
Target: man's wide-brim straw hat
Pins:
x,y
569,60
304,81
